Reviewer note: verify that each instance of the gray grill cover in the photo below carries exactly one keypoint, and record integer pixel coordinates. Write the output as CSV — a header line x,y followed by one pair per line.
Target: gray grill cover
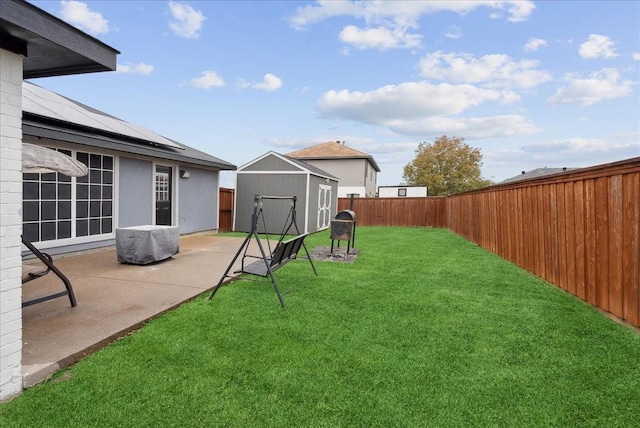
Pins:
x,y
142,245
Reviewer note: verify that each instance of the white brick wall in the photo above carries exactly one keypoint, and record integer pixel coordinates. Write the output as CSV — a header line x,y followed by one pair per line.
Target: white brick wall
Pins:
x,y
10,224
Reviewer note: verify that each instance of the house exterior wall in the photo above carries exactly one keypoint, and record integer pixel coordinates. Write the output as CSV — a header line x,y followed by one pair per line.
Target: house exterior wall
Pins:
x,y
11,66
135,198
356,175
198,201
275,211
195,199
409,191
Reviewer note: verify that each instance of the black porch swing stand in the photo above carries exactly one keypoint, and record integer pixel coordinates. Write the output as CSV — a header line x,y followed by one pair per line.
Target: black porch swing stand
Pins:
x,y
268,263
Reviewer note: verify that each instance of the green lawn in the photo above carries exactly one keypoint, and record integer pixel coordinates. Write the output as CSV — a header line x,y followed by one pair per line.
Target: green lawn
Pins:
x,y
424,329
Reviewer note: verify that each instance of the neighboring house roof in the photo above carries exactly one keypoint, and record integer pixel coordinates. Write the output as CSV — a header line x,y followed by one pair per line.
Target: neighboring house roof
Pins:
x,y
49,115
303,166
332,150
538,172
50,46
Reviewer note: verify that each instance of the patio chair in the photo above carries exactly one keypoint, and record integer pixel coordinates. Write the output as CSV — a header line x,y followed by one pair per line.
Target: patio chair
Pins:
x,y
29,273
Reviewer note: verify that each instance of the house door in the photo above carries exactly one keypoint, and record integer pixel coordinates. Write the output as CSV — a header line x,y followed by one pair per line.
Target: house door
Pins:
x,y
163,195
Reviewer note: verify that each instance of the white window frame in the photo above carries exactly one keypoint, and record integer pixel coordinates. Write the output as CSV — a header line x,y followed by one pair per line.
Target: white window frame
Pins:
x,y
75,239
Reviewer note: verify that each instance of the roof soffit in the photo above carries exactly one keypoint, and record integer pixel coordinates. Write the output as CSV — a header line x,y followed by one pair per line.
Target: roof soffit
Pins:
x,y
53,47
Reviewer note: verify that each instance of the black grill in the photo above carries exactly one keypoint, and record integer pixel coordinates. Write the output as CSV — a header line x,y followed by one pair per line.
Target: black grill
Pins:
x,y
343,228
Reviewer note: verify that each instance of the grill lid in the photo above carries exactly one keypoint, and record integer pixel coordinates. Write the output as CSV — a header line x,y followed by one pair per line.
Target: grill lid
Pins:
x,y
346,215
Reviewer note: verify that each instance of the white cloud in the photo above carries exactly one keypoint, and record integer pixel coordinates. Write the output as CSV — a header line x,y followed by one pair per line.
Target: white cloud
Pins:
x,y
207,79
401,12
379,38
420,109
597,47
602,85
454,32
494,70
388,22
585,151
636,56
410,99
270,83
186,21
140,68
467,127
534,43
78,14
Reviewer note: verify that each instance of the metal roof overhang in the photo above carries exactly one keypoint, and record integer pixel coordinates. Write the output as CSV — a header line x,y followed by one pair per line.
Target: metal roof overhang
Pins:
x,y
50,46
43,128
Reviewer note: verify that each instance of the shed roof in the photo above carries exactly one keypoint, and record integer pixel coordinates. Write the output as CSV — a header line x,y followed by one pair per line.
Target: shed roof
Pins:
x,y
331,150
50,115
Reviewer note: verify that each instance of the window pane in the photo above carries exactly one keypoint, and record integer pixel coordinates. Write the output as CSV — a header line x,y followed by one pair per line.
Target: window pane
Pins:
x,y
82,209
95,192
95,176
107,163
107,177
94,209
64,210
94,226
30,211
64,191
107,209
48,177
95,161
83,157
107,192
30,190
31,231
64,178
30,176
82,227
107,226
48,231
64,229
82,191
48,190
48,210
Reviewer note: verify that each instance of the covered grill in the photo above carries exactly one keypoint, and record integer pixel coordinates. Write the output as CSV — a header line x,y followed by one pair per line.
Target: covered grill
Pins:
x,y
343,228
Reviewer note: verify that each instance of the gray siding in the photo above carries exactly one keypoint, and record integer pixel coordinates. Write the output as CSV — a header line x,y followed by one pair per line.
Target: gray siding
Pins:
x,y
271,163
351,172
198,201
275,211
135,192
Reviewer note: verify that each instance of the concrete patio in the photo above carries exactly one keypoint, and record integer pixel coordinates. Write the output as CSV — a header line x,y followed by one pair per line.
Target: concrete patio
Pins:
x,y
113,299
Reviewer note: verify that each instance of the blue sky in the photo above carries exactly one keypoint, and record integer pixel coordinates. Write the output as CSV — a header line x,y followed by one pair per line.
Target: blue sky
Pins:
x,y
531,84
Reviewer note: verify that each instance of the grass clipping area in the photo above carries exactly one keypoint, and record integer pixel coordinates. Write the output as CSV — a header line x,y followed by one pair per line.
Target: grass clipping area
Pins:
x,y
423,329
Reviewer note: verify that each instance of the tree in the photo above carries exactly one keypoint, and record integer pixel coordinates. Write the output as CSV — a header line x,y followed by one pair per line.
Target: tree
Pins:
x,y
447,166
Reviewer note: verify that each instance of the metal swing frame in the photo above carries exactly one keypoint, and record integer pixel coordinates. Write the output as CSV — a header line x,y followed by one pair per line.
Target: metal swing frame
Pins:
x,y
268,263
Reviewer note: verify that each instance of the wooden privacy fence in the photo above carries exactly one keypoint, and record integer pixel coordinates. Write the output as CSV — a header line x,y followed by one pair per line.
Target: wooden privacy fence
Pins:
x,y
579,230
